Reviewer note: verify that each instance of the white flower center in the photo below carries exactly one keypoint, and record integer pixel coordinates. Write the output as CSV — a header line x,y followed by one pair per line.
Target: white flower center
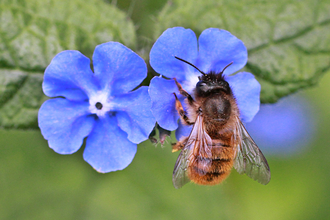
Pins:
x,y
99,104
190,84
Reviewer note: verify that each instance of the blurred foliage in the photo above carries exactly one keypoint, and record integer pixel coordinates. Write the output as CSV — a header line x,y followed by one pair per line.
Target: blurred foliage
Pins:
x,y
283,37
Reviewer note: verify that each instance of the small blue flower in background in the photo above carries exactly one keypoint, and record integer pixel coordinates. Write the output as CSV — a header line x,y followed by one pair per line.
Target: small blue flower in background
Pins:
x,y
214,50
283,127
100,106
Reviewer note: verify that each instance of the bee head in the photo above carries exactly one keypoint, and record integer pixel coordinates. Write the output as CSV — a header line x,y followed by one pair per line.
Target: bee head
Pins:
x,y
212,83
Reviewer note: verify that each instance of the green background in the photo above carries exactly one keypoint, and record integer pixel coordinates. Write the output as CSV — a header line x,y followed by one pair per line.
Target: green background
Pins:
x,y
37,183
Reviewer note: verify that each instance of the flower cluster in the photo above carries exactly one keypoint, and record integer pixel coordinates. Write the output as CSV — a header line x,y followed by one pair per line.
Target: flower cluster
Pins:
x,y
212,52
99,105
104,107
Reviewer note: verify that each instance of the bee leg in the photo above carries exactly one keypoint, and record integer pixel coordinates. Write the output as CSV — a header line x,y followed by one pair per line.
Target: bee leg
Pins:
x,y
179,145
183,92
182,113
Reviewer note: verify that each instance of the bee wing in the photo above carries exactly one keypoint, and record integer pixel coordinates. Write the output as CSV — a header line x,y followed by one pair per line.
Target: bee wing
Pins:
x,y
198,143
249,158
180,175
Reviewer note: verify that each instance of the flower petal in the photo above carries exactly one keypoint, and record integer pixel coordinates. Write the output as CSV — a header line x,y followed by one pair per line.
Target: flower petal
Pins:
x,y
163,102
107,147
69,75
118,68
178,42
65,124
134,115
217,48
246,90
183,131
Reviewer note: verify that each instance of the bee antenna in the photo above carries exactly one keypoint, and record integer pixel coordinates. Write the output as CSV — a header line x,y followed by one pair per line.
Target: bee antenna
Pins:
x,y
227,66
193,65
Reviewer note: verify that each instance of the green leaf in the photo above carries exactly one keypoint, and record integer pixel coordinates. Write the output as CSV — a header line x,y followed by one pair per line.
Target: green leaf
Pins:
x,y
32,32
288,41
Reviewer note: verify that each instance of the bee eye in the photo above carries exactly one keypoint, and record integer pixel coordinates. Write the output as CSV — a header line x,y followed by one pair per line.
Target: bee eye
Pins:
x,y
201,84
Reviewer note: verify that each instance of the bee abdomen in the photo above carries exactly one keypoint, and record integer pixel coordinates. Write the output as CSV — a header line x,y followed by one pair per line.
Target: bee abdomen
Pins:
x,y
207,171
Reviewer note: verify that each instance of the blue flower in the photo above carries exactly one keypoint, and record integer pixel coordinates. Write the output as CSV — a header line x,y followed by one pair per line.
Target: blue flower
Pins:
x,y
214,50
100,106
283,127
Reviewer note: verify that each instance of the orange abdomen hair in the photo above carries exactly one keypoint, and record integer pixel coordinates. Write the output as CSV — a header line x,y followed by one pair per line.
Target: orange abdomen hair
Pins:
x,y
219,166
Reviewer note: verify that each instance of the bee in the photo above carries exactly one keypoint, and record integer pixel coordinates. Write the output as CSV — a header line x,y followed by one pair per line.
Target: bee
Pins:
x,y
218,140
